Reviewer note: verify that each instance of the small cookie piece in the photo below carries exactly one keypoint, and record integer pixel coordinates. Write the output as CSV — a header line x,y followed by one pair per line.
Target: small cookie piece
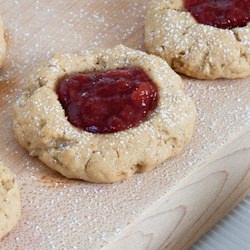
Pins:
x,y
9,201
2,43
197,50
41,126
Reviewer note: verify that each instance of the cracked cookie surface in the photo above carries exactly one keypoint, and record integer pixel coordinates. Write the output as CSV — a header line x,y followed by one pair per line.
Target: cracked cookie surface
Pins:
x,y
194,49
2,43
42,128
9,201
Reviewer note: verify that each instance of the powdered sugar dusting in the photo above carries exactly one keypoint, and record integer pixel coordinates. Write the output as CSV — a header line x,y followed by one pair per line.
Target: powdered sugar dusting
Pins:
x,y
194,49
62,214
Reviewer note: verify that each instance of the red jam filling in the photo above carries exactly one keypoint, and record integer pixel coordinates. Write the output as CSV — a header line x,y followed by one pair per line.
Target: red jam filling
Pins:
x,y
224,14
109,101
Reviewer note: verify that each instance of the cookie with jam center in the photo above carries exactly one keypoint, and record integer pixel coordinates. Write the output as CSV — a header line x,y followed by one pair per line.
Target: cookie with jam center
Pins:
x,y
104,115
204,39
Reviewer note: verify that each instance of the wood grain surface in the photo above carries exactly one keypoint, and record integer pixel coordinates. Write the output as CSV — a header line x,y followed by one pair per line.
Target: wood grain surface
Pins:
x,y
183,215
170,207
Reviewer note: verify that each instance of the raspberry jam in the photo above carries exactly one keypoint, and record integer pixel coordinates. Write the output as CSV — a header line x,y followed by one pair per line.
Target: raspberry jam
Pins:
x,y
224,14
109,101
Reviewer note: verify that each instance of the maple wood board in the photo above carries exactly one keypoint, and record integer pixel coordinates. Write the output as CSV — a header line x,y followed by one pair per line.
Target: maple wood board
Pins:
x,y
168,208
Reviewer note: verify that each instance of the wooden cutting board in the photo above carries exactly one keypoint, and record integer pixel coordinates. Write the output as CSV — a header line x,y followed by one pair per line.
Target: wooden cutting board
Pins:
x,y
170,207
